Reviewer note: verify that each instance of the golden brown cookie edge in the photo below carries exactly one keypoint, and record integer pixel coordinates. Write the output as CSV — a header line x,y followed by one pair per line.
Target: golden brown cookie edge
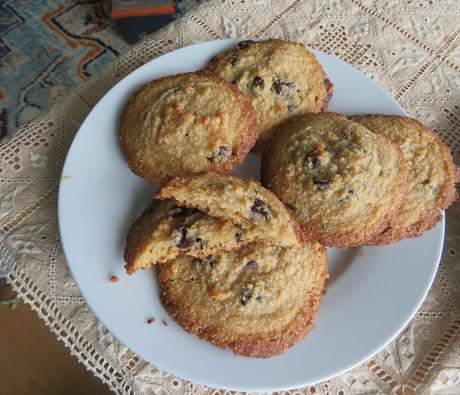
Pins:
x,y
135,243
446,196
392,235
250,346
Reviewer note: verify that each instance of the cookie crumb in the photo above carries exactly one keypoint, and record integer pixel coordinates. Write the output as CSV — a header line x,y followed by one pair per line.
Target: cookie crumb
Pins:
x,y
65,178
114,279
363,254
165,323
150,320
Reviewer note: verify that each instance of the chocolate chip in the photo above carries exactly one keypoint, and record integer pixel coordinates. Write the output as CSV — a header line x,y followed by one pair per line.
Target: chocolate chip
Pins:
x,y
351,191
313,158
322,184
239,237
289,86
251,264
186,241
277,86
261,208
223,150
245,298
234,60
258,81
203,243
212,261
290,206
259,298
283,88
245,44
221,153
315,162
291,107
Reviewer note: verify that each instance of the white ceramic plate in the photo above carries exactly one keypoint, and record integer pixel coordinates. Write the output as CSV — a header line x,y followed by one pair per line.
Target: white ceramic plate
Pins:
x,y
372,292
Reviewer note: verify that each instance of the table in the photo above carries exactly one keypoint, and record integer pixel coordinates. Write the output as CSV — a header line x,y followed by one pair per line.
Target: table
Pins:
x,y
412,48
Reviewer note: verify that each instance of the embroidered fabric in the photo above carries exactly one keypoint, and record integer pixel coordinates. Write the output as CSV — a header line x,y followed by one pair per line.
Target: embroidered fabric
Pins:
x,y
410,47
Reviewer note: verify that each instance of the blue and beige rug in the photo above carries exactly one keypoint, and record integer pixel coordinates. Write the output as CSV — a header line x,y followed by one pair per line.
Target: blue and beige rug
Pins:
x,y
49,47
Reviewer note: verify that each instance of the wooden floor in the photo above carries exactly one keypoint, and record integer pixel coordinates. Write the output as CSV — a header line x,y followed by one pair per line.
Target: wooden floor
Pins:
x,y
33,361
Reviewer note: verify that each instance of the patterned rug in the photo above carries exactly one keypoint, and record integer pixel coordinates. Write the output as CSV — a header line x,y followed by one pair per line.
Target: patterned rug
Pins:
x,y
48,47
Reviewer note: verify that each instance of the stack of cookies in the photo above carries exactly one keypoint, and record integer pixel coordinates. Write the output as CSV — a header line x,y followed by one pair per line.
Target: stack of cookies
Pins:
x,y
233,265
370,179
242,265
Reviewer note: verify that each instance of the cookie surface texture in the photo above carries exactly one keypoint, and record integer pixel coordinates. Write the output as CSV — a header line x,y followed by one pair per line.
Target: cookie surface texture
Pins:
x,y
166,230
431,174
257,301
281,79
201,215
244,202
344,182
186,124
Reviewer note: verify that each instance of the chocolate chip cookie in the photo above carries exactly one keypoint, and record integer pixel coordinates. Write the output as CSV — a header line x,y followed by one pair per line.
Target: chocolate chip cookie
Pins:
x,y
234,266
431,175
166,230
244,202
257,301
281,79
344,182
186,124
182,224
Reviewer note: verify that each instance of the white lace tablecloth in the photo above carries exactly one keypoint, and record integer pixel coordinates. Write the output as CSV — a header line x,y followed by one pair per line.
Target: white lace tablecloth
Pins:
x,y
410,47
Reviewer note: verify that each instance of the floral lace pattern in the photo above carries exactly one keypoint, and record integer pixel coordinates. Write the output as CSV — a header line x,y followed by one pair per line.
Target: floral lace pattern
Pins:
x,y
411,47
